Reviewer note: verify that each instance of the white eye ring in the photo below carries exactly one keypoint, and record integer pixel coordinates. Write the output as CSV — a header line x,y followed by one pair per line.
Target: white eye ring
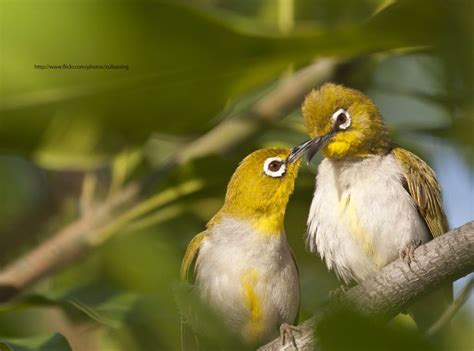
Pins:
x,y
274,174
344,125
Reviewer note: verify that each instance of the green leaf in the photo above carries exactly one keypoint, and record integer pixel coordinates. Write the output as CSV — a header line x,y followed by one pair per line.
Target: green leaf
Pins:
x,y
103,304
53,342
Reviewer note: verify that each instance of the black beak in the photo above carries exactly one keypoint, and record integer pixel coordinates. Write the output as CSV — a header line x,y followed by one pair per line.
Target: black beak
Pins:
x,y
311,146
298,151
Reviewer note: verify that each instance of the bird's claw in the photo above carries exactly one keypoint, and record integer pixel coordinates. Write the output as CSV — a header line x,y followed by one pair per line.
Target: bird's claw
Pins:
x,y
407,254
287,331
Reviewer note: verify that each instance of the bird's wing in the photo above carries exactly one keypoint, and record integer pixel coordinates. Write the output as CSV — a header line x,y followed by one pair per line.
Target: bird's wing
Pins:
x,y
421,184
190,255
189,339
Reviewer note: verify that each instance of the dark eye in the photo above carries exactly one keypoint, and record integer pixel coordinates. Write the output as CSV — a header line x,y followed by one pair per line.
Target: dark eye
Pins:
x,y
275,166
341,119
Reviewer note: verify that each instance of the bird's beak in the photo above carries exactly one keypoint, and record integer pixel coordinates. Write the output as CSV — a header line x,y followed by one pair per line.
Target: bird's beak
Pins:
x,y
311,146
298,151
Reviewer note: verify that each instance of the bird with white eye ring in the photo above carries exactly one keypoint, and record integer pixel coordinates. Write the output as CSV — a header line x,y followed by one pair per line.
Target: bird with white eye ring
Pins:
x,y
373,201
244,267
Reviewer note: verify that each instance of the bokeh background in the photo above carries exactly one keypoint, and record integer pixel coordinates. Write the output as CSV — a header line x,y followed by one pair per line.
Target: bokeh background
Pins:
x,y
72,139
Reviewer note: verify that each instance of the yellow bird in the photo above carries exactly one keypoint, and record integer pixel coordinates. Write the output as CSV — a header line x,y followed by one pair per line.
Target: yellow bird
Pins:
x,y
373,201
244,267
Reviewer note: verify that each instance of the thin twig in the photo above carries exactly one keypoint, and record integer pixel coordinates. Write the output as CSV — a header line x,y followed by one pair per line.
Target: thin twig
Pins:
x,y
452,309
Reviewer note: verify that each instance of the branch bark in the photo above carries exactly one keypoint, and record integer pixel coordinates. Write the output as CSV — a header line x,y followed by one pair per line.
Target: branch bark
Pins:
x,y
78,238
385,294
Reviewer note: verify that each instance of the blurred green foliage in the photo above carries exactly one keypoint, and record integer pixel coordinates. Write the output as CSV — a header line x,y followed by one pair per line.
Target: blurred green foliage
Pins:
x,y
191,65
55,342
364,334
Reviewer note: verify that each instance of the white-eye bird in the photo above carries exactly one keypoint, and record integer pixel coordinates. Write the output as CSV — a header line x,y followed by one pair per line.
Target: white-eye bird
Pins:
x,y
373,202
244,267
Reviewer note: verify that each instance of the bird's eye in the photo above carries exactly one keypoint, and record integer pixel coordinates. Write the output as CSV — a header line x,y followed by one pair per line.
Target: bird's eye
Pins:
x,y
341,119
274,167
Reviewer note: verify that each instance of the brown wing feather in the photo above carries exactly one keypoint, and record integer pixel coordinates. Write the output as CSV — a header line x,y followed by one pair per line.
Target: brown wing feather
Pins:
x,y
423,187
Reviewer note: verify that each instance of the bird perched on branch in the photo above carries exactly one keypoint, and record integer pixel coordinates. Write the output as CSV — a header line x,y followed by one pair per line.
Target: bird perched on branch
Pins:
x,y
373,202
244,267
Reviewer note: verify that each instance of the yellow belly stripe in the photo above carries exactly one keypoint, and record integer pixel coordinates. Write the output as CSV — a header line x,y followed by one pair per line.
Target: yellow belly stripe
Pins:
x,y
252,302
356,229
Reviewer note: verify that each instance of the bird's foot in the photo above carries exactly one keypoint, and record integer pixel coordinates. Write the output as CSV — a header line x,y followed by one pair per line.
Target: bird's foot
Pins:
x,y
338,293
408,253
287,333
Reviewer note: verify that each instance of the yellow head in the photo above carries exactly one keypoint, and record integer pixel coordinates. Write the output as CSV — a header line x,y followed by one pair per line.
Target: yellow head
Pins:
x,y
260,188
347,123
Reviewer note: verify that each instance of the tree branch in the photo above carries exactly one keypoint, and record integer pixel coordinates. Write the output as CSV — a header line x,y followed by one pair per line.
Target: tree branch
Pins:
x,y
78,238
445,258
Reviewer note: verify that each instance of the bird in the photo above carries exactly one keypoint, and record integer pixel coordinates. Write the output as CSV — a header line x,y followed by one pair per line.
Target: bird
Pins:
x,y
243,266
373,201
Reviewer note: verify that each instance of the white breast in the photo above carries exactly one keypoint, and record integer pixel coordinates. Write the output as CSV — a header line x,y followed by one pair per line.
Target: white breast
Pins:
x,y
362,216
232,252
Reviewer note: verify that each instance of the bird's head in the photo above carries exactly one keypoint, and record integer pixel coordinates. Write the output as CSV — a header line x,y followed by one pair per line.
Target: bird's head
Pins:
x,y
260,188
343,122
